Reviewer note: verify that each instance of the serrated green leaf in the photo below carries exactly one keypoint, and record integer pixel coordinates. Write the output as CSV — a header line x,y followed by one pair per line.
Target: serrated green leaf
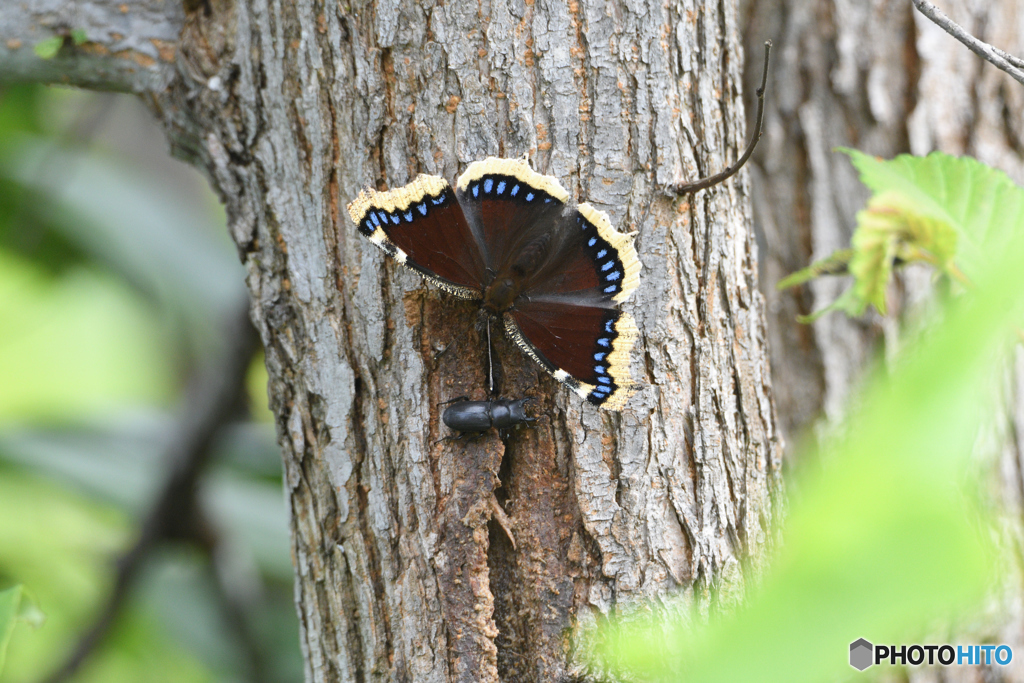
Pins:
x,y
48,49
834,264
980,203
941,210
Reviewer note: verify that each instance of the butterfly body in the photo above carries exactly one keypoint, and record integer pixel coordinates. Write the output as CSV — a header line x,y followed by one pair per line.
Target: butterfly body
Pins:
x,y
509,238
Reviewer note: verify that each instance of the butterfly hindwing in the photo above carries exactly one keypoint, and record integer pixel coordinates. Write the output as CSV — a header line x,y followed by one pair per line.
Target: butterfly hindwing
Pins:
x,y
569,319
421,225
586,348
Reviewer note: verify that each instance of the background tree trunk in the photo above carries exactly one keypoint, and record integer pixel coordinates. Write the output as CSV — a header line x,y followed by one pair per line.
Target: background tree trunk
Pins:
x,y
291,108
881,78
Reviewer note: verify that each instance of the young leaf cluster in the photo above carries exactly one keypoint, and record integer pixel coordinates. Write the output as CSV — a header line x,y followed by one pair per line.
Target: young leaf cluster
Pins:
x,y
940,210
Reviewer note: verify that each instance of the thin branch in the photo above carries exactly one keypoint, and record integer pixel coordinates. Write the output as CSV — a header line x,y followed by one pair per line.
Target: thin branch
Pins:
x,y
129,47
208,406
1001,60
704,183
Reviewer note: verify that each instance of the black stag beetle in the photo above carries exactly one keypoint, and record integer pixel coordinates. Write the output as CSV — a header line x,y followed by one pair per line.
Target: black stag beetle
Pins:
x,y
474,417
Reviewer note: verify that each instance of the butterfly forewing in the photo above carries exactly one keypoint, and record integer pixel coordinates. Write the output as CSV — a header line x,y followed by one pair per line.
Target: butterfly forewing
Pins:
x,y
422,226
508,204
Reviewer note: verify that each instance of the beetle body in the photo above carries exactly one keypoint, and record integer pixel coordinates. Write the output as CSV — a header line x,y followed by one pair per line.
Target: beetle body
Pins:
x,y
479,416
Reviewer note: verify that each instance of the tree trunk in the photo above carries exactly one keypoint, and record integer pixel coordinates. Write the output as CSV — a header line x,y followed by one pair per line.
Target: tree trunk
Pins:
x,y
881,78
403,572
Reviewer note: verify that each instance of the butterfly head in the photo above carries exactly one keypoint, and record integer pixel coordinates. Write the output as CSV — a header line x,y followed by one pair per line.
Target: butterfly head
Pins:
x,y
501,294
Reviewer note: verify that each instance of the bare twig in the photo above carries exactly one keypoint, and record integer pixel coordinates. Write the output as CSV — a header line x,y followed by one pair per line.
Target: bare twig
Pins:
x,y
1001,60
208,406
704,183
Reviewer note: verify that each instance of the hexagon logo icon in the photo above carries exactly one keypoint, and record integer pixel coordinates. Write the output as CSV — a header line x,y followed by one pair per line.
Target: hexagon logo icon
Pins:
x,y
861,654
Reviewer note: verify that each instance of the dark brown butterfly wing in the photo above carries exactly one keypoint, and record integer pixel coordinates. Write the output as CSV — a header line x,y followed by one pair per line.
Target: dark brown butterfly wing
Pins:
x,y
422,226
567,318
586,348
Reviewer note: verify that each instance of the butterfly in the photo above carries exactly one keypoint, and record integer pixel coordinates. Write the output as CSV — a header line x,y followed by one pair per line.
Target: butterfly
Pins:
x,y
552,271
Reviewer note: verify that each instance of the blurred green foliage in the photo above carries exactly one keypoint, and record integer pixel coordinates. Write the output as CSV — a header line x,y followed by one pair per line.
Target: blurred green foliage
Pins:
x,y
15,607
115,276
884,541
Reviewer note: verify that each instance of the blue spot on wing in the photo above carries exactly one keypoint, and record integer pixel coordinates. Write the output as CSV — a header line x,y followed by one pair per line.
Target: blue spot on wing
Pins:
x,y
603,342
608,265
612,276
373,217
501,187
476,190
515,190
529,196
604,380
394,219
600,356
599,369
601,253
488,184
422,208
609,290
408,216
592,242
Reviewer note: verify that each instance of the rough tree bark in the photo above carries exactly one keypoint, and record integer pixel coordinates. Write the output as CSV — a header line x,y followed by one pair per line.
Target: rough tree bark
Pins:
x,y
881,78
291,108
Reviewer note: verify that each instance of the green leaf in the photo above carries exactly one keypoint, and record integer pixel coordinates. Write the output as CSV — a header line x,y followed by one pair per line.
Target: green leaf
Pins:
x,y
48,49
177,254
10,602
82,344
78,36
889,228
980,203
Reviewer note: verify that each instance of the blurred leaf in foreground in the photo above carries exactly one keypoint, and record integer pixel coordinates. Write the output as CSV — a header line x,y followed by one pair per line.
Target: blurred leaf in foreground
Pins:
x,y
884,540
15,607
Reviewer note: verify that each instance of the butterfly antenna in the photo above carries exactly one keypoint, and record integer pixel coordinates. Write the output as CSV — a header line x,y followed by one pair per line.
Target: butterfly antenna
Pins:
x,y
704,183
